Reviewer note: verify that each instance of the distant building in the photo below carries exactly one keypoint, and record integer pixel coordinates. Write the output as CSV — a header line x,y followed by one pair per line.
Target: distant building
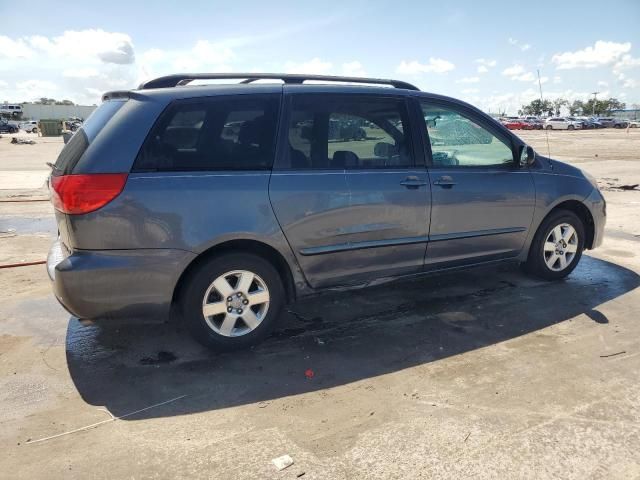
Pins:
x,y
629,113
32,111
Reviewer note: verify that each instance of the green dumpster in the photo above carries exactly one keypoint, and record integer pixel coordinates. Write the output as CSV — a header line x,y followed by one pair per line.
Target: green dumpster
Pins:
x,y
50,128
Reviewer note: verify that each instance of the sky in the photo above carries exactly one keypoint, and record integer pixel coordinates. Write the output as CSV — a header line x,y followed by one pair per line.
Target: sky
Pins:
x,y
485,52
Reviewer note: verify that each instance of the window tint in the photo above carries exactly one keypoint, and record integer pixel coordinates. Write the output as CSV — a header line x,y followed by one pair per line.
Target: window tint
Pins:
x,y
223,133
100,117
71,153
339,131
458,141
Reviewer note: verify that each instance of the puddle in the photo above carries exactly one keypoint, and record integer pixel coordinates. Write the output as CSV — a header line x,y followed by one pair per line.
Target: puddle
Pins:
x,y
29,225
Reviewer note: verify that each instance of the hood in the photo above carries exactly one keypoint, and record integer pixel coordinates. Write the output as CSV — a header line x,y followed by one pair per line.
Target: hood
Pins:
x,y
562,168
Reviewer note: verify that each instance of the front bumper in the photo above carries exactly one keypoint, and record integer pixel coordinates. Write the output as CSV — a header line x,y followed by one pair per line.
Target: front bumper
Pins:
x,y
116,283
598,207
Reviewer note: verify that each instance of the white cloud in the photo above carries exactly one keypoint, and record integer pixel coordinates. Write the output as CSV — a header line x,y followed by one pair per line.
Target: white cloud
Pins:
x,y
486,62
525,77
106,47
10,48
627,82
3,84
524,46
80,72
318,66
468,80
627,61
602,83
313,66
516,72
37,88
543,80
468,91
513,70
353,69
557,79
435,65
600,54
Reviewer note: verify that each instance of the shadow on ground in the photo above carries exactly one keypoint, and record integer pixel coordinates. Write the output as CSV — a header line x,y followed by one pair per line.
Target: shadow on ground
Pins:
x,y
343,337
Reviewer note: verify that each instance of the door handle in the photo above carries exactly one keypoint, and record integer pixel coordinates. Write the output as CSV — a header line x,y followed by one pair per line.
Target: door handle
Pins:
x,y
412,182
445,182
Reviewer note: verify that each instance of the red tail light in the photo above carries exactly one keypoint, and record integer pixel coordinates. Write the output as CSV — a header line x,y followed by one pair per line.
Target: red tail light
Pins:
x,y
78,194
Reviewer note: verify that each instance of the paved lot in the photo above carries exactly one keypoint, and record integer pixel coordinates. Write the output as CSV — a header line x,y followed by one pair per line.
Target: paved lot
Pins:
x,y
485,374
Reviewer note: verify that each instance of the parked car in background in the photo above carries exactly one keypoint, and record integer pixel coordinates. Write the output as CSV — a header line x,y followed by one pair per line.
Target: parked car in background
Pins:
x,y
516,124
634,123
561,123
6,127
10,110
535,124
161,209
29,126
583,122
592,122
613,122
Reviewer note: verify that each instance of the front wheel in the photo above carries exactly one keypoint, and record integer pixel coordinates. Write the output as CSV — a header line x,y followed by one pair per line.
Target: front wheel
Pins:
x,y
232,301
570,127
557,246
549,127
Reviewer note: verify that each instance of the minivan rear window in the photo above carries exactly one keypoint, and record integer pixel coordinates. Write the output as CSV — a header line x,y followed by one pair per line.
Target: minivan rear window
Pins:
x,y
216,133
73,151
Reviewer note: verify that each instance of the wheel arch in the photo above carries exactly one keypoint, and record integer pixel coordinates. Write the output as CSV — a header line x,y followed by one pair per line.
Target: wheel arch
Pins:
x,y
254,247
582,212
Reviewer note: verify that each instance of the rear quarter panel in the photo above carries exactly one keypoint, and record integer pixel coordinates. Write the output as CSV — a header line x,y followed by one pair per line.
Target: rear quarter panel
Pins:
x,y
186,211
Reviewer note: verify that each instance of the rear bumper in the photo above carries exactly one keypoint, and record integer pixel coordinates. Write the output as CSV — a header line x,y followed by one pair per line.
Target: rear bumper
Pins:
x,y
116,283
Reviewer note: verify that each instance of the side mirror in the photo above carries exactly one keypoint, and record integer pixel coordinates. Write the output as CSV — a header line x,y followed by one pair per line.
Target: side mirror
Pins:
x,y
527,156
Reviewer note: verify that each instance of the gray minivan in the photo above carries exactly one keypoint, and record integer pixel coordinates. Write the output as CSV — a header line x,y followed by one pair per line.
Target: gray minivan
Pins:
x,y
227,201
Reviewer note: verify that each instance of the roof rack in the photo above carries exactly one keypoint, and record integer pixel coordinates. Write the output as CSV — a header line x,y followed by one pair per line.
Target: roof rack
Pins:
x,y
184,78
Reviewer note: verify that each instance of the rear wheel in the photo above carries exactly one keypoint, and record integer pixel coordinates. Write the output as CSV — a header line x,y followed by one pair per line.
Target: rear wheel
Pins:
x,y
557,246
570,127
232,301
549,127
35,130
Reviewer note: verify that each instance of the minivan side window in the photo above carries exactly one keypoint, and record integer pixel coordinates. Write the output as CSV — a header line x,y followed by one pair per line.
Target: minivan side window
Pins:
x,y
217,133
458,141
347,132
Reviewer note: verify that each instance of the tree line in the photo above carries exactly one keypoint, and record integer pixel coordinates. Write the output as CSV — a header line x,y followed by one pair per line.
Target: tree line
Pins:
x,y
51,101
577,107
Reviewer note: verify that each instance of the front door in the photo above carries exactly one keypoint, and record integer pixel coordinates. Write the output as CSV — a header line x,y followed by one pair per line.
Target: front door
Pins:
x,y
482,201
347,192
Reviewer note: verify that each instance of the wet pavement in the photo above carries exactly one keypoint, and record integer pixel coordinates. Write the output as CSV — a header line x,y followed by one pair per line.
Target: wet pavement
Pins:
x,y
468,365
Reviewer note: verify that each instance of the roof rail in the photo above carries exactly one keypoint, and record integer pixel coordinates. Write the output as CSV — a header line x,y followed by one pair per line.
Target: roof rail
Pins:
x,y
289,78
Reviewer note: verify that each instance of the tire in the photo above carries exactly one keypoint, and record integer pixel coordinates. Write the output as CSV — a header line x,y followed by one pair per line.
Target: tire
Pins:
x,y
35,130
549,127
538,261
223,331
570,127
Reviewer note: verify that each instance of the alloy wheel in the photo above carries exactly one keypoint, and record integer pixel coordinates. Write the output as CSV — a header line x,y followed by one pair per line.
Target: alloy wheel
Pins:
x,y
560,247
235,303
